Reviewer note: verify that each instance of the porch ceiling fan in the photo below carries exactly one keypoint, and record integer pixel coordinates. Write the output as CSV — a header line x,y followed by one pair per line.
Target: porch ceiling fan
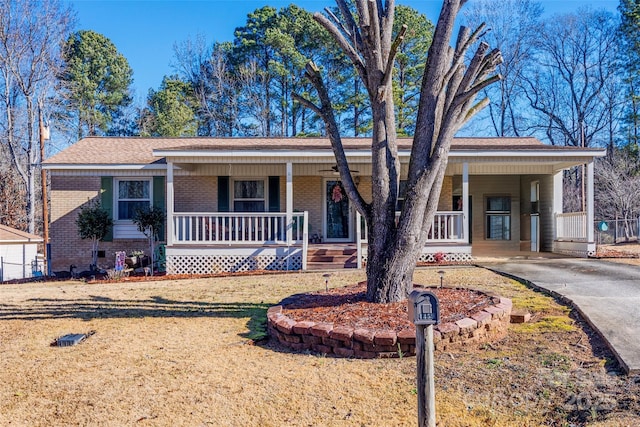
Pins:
x,y
334,169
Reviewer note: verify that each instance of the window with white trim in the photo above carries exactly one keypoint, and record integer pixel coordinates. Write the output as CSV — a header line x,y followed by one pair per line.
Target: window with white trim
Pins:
x,y
131,195
402,194
498,217
249,196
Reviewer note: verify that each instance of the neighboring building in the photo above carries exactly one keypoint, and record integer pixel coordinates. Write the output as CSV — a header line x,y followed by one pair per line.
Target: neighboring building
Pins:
x,y
18,254
237,204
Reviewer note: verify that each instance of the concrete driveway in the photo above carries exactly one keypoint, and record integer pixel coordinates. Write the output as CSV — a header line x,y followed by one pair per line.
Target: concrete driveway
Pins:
x,y
606,293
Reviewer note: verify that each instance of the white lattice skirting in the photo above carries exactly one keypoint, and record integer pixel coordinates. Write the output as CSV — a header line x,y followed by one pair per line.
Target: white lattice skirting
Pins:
x,y
448,257
431,258
212,264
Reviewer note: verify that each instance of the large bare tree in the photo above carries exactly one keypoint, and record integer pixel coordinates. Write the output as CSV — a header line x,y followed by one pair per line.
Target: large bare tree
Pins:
x,y
569,84
447,101
515,25
31,33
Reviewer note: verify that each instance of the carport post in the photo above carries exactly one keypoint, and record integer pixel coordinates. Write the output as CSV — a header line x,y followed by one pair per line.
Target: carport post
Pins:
x,y
590,202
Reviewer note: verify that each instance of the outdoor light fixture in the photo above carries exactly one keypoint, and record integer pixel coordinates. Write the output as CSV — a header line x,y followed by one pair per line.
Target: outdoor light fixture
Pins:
x,y
441,273
326,281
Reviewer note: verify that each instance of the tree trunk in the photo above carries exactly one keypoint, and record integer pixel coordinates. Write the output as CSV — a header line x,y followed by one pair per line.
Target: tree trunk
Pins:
x,y
446,102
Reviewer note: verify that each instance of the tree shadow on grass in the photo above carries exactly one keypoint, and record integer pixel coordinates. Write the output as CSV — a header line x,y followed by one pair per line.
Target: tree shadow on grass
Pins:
x,y
100,307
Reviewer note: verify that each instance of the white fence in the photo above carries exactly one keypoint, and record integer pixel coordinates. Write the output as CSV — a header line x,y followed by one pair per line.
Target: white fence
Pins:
x,y
205,228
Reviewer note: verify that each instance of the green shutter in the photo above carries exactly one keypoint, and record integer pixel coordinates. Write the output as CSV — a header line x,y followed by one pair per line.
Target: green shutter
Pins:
x,y
274,194
159,200
106,201
223,194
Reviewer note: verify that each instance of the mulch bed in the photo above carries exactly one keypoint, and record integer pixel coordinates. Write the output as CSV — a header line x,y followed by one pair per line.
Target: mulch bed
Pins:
x,y
347,306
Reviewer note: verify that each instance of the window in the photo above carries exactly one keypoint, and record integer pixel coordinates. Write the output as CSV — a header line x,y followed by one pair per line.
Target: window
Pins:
x,y
249,196
402,194
131,196
498,214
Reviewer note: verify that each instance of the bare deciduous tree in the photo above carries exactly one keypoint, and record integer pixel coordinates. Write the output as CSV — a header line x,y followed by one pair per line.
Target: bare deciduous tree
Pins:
x,y
31,33
576,58
214,85
447,101
618,183
514,25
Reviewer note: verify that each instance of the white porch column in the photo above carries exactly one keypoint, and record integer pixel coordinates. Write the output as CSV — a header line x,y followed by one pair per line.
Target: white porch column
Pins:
x,y
558,188
465,201
590,202
170,203
289,207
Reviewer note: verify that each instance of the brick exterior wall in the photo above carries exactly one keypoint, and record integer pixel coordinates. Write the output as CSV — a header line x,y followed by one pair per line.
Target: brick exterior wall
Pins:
x,y
307,196
196,193
68,195
446,195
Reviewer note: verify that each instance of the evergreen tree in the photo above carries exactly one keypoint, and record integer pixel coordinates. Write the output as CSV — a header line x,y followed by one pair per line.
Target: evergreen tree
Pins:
x,y
96,79
170,110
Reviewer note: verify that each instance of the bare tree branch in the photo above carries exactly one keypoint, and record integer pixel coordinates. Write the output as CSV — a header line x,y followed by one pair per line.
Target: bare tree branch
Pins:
x,y
388,72
346,46
326,112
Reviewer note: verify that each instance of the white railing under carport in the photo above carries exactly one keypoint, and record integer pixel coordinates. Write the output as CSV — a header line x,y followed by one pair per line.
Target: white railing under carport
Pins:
x,y
446,227
571,226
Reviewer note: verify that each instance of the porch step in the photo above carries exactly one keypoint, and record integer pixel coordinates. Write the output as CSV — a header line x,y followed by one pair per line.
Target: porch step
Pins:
x,y
330,265
331,258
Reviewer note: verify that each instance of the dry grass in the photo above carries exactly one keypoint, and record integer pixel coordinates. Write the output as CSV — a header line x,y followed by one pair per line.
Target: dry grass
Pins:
x,y
175,353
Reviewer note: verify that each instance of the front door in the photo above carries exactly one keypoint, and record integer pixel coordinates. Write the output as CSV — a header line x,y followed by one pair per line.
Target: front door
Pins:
x,y
337,214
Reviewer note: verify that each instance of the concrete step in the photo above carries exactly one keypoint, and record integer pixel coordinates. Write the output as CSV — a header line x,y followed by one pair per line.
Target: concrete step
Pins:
x,y
332,252
316,266
331,258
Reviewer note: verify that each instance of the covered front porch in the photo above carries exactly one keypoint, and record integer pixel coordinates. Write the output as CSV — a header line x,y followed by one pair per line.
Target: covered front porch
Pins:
x,y
242,210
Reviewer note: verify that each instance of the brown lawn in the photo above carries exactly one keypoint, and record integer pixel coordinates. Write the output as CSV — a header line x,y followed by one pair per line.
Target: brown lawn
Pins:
x,y
180,353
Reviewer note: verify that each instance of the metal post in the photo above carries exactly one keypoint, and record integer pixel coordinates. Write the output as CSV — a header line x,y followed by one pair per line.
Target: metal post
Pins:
x,y
1,269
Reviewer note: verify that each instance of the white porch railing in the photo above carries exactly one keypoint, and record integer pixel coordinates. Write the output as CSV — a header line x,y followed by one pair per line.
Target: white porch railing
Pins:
x,y
446,227
571,226
219,228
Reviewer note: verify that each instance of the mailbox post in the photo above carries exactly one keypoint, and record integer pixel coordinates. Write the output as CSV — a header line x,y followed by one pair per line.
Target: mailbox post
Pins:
x,y
424,312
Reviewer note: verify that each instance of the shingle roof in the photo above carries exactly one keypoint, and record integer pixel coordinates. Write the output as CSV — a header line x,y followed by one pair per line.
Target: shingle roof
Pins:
x,y
138,150
8,234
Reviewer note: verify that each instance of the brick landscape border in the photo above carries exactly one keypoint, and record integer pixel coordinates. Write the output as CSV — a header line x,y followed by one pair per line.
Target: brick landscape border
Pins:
x,y
487,325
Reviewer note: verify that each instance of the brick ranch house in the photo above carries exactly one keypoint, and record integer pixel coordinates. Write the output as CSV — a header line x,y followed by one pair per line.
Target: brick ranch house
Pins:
x,y
237,204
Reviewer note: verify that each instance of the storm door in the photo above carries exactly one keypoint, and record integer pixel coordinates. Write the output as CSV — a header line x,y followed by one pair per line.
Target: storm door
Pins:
x,y
337,213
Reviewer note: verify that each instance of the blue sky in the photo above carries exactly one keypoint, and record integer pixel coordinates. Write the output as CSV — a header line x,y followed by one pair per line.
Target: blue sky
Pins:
x,y
144,31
